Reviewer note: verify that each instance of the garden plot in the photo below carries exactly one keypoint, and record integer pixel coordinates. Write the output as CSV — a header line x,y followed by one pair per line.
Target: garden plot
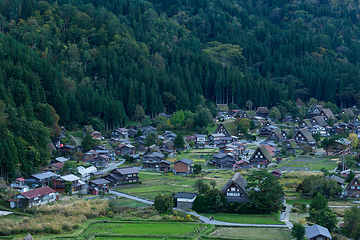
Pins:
x,y
251,233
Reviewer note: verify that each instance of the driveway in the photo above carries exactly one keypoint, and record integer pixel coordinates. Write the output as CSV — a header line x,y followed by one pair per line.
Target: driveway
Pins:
x,y
3,213
214,222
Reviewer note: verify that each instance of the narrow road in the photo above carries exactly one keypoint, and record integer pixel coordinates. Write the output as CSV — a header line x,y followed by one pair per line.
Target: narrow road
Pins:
x,y
113,166
120,194
214,222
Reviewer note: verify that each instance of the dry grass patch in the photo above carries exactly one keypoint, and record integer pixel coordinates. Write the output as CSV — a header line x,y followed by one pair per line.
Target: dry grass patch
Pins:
x,y
61,216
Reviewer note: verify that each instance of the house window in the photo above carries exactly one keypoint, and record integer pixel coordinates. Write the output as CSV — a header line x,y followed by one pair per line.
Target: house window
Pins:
x,y
352,187
233,189
261,156
355,182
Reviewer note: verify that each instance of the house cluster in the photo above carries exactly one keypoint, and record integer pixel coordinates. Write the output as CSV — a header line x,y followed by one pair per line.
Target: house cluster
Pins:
x,y
35,189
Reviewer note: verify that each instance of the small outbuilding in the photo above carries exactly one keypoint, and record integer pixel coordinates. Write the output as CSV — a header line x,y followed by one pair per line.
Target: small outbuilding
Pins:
x,y
185,200
316,232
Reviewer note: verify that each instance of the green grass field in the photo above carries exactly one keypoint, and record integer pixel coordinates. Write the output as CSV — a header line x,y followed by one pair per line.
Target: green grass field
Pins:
x,y
246,218
251,233
154,182
311,163
145,229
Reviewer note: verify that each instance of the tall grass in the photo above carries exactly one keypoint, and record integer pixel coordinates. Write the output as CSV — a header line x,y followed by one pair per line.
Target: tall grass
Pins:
x,y
55,218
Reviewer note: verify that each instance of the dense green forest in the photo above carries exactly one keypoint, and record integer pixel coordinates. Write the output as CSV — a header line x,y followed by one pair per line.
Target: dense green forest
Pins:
x,y
74,62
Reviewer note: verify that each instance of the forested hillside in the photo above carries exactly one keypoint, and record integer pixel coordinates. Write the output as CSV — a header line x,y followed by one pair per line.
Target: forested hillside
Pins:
x,y
98,61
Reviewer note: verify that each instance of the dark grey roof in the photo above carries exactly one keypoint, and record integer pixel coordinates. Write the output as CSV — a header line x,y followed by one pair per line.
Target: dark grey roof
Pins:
x,y
43,175
185,195
237,179
126,170
100,181
317,230
337,179
220,155
185,160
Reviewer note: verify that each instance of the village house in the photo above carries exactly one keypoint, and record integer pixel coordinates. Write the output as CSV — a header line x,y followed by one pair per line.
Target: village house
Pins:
x,y
87,129
152,160
305,124
303,137
90,156
121,176
120,133
227,128
275,135
261,158
168,135
40,179
125,149
347,111
316,110
98,185
55,167
353,189
215,136
67,150
248,115
96,135
140,141
317,129
164,166
235,189
267,130
101,161
317,232
168,147
185,200
77,184
183,167
241,164
287,119
200,140
286,133
262,112
19,185
148,129
34,197
340,181
223,160
276,173
318,120
60,160
327,114
223,109
85,173
291,146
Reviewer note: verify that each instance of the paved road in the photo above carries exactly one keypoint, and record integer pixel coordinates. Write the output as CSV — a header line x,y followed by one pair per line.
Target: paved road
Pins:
x,y
214,222
113,166
120,194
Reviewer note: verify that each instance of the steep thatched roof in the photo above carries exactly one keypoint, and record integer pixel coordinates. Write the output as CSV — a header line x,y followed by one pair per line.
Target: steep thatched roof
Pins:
x,y
222,107
263,151
238,180
231,128
250,114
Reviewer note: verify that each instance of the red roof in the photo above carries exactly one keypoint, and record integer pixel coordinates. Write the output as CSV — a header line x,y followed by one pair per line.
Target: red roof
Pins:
x,y
270,149
14,200
38,192
58,165
20,179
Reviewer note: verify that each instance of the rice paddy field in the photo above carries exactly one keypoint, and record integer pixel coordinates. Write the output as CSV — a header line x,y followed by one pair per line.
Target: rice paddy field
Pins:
x,y
141,229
